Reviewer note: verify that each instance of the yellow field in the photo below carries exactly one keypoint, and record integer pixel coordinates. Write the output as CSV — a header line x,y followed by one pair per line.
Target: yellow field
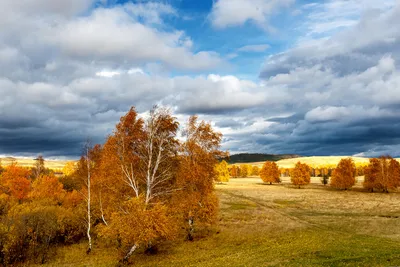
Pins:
x,y
26,162
317,161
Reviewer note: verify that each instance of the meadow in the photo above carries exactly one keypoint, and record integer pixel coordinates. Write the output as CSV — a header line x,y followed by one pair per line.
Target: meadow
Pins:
x,y
277,225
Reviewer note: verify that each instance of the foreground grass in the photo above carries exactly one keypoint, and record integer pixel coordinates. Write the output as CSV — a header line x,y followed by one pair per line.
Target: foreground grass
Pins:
x,y
262,225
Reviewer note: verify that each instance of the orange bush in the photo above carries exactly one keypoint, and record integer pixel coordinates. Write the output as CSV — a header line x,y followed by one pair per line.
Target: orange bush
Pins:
x,y
300,174
344,176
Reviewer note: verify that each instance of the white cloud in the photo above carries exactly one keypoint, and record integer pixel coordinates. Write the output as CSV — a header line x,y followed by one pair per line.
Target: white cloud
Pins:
x,y
227,13
111,35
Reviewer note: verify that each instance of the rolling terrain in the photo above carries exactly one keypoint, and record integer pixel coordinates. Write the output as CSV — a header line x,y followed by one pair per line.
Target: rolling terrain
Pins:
x,y
30,162
314,161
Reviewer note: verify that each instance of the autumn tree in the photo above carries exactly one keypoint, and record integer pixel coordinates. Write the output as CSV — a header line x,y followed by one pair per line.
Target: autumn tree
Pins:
x,y
300,174
47,188
382,174
255,170
222,172
270,172
196,202
86,166
244,170
394,174
69,168
344,175
141,158
234,171
15,183
39,168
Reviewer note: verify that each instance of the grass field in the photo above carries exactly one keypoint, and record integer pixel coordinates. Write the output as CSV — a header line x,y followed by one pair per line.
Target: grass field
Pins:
x,y
278,225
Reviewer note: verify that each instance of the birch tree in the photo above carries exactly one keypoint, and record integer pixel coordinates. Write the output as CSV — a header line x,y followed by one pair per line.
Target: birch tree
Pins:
x,y
197,202
141,154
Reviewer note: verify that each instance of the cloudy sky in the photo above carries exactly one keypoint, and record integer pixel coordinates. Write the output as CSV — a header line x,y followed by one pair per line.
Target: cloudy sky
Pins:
x,y
274,76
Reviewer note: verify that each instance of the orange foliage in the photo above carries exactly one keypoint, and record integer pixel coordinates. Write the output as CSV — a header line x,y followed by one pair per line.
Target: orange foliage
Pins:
x,y
47,187
344,176
196,201
300,174
270,172
15,181
234,171
382,174
255,171
244,170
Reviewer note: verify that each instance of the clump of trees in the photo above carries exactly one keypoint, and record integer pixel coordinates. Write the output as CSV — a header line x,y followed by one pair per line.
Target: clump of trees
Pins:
x,y
382,174
255,170
300,174
143,186
243,170
222,171
270,172
344,175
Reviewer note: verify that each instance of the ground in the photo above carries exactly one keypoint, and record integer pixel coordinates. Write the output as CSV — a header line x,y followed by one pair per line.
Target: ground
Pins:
x,y
279,225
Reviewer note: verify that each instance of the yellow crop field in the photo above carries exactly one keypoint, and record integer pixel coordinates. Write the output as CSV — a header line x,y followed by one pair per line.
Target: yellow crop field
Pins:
x,y
30,162
315,161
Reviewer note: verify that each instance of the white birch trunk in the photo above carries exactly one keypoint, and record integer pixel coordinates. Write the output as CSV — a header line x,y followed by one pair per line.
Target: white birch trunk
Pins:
x,y
88,204
130,252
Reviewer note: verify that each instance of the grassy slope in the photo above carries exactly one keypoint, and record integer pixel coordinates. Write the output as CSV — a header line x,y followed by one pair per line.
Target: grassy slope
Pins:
x,y
51,164
262,225
316,161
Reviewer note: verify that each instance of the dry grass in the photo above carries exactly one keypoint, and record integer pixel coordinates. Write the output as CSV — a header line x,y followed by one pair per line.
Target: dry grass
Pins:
x,y
278,225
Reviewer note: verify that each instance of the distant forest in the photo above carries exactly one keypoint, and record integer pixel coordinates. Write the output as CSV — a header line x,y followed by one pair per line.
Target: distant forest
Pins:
x,y
246,157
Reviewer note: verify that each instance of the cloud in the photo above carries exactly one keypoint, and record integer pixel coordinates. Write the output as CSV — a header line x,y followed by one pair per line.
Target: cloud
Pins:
x,y
254,48
90,106
228,13
111,35
68,73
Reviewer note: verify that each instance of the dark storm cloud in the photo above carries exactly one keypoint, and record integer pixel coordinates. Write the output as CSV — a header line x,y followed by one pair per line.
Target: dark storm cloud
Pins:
x,y
350,92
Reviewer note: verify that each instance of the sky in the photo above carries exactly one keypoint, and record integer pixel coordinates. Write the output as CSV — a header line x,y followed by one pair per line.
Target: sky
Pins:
x,y
274,76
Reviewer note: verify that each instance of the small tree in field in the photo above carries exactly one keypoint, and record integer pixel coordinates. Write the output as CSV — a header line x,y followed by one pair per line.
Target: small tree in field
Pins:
x,y
371,174
344,176
270,172
222,172
300,175
325,179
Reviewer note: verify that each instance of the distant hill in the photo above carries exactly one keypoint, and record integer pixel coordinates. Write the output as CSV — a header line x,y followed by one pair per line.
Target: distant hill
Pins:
x,y
255,157
30,162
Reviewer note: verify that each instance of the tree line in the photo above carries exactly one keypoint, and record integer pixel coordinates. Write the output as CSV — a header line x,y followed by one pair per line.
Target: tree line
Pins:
x,y
381,174
141,187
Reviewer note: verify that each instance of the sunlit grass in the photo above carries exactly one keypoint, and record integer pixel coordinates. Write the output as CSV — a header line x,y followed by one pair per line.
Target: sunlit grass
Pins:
x,y
27,162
